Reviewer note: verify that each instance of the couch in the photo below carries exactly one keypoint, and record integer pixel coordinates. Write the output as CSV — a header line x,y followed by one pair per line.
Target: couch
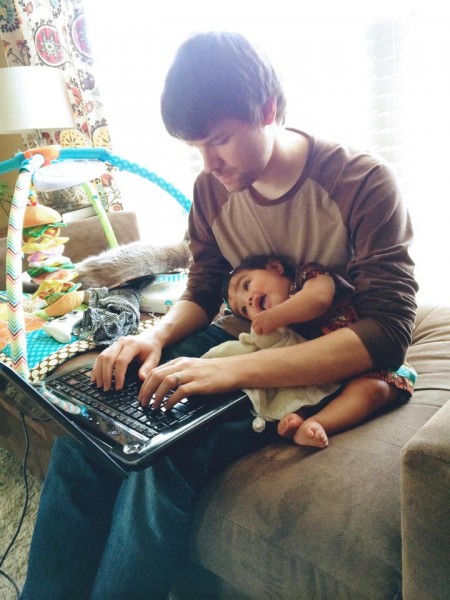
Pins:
x,y
368,517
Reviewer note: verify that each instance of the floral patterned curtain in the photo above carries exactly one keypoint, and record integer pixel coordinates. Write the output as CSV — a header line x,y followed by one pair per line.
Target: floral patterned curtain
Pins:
x,y
54,33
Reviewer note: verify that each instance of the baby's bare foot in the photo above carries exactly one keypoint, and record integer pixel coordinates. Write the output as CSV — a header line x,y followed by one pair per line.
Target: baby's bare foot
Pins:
x,y
289,424
311,433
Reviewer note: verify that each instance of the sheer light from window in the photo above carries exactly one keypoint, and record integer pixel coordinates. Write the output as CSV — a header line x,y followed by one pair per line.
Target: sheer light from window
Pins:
x,y
371,76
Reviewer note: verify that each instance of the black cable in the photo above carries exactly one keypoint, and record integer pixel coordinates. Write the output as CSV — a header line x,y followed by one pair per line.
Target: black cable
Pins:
x,y
24,510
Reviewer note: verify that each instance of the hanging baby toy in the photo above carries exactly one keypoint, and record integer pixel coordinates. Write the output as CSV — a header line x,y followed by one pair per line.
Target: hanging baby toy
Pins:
x,y
48,267
55,168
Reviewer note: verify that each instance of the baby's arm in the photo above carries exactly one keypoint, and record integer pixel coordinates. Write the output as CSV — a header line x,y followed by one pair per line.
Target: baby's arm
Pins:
x,y
312,301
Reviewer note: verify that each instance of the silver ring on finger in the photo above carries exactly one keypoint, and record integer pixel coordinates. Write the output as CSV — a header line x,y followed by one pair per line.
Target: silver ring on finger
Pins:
x,y
177,377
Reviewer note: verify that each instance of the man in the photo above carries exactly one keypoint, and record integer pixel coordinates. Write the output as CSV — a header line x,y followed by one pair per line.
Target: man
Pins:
x,y
264,190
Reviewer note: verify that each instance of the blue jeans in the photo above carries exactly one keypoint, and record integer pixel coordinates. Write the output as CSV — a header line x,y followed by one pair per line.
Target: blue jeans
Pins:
x,y
104,538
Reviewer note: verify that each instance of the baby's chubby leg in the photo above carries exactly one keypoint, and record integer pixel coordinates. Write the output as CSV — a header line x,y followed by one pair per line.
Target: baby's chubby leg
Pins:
x,y
359,399
304,432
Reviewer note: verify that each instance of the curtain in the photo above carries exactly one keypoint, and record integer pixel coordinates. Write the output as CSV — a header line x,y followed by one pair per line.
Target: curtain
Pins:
x,y
54,33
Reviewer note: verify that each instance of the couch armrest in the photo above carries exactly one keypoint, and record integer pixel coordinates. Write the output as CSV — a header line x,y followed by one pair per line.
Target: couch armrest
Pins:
x,y
426,510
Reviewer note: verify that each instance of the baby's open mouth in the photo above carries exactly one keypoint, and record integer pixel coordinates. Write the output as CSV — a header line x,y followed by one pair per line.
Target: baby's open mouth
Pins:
x,y
262,300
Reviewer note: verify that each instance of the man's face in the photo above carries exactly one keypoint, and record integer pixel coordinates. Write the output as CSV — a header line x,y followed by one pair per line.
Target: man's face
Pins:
x,y
236,153
253,290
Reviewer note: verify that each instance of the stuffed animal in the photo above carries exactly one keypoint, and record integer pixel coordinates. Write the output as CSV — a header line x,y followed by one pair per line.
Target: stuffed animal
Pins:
x,y
118,266
48,267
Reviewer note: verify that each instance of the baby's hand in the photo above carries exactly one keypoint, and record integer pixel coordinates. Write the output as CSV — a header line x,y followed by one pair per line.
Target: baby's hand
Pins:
x,y
264,323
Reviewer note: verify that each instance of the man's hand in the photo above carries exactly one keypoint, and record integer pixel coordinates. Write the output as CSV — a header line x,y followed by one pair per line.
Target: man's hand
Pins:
x,y
114,361
183,319
186,376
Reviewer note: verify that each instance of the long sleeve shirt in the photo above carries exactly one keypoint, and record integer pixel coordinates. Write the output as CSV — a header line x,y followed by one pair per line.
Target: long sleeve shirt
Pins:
x,y
345,212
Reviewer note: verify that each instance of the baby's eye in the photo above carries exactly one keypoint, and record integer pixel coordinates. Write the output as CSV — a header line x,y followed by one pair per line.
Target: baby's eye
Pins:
x,y
244,311
246,285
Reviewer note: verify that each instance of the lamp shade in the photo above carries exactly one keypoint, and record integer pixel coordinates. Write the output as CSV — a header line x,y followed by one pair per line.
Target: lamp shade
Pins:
x,y
33,98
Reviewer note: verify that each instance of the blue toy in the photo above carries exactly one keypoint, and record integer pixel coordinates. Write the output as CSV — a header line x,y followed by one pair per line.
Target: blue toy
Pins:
x,y
28,164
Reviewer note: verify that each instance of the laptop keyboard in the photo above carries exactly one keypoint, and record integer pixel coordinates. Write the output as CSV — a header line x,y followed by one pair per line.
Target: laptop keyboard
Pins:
x,y
122,405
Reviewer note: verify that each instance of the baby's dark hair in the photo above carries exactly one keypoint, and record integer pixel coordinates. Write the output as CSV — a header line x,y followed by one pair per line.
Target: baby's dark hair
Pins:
x,y
218,75
257,261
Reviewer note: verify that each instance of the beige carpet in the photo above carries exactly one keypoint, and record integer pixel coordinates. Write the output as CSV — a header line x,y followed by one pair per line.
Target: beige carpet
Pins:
x,y
12,498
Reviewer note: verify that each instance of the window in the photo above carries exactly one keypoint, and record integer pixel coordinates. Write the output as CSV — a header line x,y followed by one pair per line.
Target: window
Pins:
x,y
376,77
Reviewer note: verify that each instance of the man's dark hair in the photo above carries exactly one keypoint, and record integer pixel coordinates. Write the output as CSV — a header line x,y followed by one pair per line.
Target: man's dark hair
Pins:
x,y
215,76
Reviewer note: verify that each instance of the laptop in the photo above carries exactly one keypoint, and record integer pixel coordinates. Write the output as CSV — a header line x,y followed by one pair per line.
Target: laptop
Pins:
x,y
112,426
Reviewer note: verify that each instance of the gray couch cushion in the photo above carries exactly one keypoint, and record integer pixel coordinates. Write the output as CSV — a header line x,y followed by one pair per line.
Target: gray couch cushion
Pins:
x,y
288,522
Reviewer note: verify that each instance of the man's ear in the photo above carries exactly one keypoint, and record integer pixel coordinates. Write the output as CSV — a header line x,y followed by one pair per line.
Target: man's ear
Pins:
x,y
275,265
269,112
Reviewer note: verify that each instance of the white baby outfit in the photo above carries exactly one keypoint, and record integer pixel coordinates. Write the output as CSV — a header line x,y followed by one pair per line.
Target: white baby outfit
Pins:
x,y
271,404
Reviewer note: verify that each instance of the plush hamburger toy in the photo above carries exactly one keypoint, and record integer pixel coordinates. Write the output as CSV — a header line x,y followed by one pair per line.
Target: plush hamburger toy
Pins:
x,y
48,266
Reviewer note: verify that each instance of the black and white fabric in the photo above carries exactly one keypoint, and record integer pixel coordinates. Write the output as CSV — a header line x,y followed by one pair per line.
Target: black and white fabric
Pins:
x,y
110,315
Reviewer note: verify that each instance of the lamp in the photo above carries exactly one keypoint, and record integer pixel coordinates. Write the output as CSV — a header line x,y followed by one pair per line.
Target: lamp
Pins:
x,y
33,99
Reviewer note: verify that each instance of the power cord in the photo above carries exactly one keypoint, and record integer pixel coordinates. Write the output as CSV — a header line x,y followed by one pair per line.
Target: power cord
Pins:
x,y
24,510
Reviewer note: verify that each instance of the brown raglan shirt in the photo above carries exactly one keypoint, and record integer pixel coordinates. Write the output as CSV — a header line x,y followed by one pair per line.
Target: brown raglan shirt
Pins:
x,y
344,212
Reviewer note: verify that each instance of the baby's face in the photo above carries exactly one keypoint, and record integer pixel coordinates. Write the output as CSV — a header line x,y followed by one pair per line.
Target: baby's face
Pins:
x,y
253,290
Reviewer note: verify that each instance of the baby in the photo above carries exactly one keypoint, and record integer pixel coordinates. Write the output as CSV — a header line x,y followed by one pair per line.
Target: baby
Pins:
x,y
270,293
